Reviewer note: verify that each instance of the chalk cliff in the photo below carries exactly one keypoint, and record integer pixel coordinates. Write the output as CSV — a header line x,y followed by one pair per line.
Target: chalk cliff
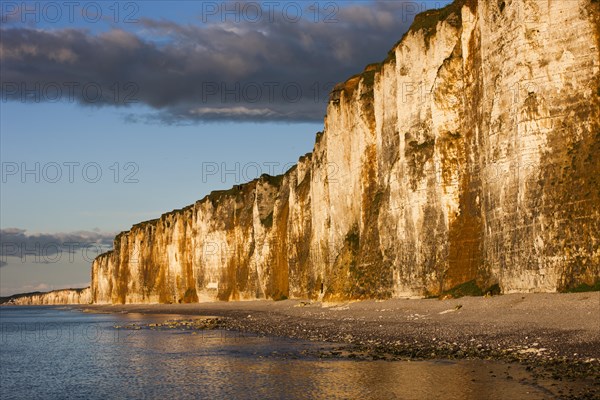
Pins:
x,y
62,296
469,155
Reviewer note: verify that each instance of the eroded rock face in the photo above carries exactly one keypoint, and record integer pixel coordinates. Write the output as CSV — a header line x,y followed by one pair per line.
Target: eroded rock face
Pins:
x,y
470,154
63,296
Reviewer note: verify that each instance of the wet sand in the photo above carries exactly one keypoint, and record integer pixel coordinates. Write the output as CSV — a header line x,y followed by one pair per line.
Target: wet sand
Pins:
x,y
555,335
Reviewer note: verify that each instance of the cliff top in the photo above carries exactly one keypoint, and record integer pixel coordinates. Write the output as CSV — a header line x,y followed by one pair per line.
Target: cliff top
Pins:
x,y
425,22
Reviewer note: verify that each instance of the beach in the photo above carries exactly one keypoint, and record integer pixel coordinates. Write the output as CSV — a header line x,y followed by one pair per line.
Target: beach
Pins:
x,y
557,335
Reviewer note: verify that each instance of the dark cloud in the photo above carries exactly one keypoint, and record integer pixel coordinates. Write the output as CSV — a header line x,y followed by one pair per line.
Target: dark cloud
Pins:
x,y
270,70
42,248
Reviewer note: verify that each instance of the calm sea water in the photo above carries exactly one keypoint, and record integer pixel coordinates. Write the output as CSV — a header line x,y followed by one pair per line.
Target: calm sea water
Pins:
x,y
54,353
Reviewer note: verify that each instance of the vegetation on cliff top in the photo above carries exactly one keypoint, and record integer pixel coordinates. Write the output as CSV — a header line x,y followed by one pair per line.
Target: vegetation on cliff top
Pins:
x,y
7,299
272,180
425,22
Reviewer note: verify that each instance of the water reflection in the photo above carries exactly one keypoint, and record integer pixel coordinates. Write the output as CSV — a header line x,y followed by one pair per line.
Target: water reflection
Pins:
x,y
83,356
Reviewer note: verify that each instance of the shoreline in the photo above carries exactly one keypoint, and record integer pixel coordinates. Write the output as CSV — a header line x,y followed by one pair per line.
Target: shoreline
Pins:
x,y
554,338
227,333
549,330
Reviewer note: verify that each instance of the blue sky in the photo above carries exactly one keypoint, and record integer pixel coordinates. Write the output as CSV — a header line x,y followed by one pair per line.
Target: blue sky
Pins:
x,y
199,78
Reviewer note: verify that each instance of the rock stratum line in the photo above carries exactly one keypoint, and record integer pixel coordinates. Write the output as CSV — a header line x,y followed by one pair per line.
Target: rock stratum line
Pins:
x,y
470,155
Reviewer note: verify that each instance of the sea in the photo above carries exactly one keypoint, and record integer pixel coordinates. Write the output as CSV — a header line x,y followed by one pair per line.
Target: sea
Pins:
x,y
64,353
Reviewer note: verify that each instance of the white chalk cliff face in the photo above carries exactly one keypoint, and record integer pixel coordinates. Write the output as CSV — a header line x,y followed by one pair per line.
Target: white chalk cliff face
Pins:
x,y
63,296
471,154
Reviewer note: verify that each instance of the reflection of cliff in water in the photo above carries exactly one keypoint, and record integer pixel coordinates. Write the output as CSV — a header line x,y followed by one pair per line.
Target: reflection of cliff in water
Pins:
x,y
84,356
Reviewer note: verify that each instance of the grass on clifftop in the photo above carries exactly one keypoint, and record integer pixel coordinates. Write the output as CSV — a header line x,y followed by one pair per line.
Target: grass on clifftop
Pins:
x,y
427,21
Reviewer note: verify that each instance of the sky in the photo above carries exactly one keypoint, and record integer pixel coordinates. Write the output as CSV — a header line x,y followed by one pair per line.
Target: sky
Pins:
x,y
112,113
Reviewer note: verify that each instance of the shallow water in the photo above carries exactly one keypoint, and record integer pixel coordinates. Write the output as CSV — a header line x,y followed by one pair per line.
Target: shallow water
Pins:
x,y
48,352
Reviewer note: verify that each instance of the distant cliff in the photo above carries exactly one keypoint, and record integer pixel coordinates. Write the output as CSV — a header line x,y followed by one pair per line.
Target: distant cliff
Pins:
x,y
62,296
469,156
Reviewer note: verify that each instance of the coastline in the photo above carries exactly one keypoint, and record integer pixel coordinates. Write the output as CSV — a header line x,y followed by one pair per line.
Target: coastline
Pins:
x,y
203,356
558,334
